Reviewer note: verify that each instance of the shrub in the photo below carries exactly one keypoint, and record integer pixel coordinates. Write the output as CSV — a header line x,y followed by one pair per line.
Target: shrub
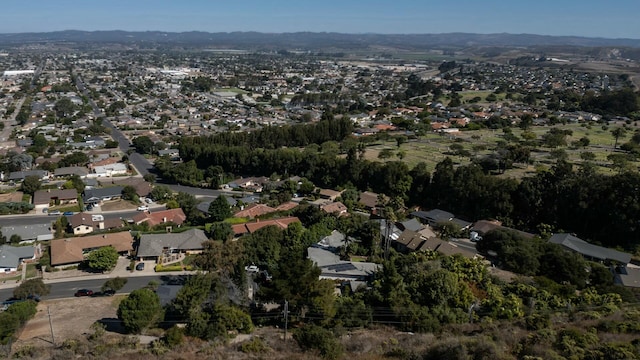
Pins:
x,y
312,337
254,346
161,268
173,337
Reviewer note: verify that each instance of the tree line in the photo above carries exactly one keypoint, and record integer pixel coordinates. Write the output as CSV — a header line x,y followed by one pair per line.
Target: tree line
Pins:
x,y
599,207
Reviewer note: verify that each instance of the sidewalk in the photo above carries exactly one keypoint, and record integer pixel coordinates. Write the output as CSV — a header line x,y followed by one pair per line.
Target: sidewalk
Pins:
x,y
120,270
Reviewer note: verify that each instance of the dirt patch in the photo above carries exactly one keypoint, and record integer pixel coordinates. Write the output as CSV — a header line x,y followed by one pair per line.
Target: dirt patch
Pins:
x,y
117,205
70,318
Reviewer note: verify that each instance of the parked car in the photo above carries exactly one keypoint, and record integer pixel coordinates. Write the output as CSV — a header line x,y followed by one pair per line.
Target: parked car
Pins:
x,y
148,201
140,266
252,268
143,208
83,292
54,213
68,213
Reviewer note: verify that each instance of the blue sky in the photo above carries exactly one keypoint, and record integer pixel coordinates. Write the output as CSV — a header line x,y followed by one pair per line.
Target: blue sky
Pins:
x,y
593,18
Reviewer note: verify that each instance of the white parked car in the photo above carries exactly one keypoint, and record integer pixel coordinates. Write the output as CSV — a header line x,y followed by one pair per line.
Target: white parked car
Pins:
x,y
143,208
252,268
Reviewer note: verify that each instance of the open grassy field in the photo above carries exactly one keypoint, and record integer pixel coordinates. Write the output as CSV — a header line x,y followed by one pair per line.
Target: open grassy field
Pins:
x,y
433,148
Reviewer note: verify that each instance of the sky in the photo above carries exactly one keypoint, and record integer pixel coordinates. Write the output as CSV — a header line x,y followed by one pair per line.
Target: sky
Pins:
x,y
591,18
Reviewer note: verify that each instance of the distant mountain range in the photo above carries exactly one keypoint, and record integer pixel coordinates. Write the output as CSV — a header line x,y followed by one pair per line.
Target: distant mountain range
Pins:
x,y
313,40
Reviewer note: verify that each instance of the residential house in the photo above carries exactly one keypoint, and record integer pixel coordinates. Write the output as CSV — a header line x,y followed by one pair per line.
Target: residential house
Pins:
x,y
251,184
370,200
64,172
95,196
90,183
332,268
143,188
286,206
447,248
72,251
329,194
626,276
29,233
408,241
437,216
412,224
590,251
12,256
160,247
204,206
433,217
255,210
109,170
44,198
20,175
84,223
251,227
336,208
481,227
332,242
174,216
173,154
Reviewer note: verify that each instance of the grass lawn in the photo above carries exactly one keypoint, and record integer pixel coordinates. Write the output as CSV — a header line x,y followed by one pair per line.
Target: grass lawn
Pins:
x,y
432,148
232,89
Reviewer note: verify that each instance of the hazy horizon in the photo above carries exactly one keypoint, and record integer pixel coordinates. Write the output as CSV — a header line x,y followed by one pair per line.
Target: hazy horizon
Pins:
x,y
591,18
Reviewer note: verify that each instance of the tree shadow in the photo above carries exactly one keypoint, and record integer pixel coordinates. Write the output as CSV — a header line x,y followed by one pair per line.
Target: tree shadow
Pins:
x,y
113,325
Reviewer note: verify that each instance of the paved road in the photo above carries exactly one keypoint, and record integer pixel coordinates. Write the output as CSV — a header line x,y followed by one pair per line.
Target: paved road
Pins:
x,y
67,289
20,220
142,165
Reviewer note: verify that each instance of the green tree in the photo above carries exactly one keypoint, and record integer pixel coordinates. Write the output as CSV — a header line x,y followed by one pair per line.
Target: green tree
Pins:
x,y
129,193
150,178
143,144
385,154
114,284
220,231
618,133
31,287
102,259
219,209
64,107
312,337
74,182
31,184
161,193
140,310
188,204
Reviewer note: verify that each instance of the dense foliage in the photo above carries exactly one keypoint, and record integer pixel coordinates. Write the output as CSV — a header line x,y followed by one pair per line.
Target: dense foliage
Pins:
x,y
563,198
140,310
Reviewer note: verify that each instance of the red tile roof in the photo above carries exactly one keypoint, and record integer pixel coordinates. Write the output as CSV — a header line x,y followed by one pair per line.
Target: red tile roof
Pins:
x,y
175,216
71,250
255,210
283,223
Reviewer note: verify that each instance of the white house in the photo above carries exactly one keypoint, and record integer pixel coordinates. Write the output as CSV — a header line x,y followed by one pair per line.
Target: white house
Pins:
x,y
109,170
11,257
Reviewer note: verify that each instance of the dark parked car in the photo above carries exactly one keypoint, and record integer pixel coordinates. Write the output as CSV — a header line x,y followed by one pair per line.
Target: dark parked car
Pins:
x,y
68,213
83,292
140,267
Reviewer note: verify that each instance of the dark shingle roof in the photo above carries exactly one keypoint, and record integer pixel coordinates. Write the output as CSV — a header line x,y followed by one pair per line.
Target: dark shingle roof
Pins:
x,y
593,251
153,244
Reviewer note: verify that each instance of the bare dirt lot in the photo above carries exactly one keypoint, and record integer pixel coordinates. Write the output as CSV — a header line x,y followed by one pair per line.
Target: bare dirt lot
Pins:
x,y
117,205
70,318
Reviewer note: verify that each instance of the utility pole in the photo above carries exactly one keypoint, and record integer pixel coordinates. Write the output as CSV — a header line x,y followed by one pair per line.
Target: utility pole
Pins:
x,y
53,339
286,318
387,237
